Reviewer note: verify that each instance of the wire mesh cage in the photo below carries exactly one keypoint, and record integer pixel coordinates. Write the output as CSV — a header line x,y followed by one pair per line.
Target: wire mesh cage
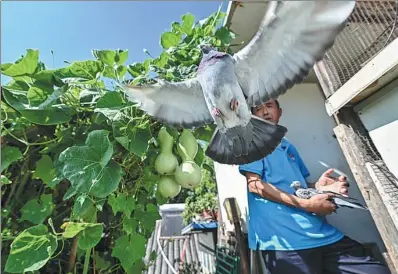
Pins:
x,y
370,28
387,179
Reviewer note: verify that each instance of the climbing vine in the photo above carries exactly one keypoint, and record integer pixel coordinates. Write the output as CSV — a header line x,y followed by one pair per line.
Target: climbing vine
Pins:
x,y
78,178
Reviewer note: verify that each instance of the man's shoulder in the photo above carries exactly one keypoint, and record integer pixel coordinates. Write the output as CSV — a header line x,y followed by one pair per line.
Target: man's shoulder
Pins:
x,y
288,144
289,147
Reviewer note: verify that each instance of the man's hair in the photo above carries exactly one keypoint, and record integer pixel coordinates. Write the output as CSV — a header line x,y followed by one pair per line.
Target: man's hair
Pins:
x,y
276,102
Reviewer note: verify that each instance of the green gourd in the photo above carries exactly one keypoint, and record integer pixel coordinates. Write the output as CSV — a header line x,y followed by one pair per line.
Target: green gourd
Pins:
x,y
166,162
188,174
168,187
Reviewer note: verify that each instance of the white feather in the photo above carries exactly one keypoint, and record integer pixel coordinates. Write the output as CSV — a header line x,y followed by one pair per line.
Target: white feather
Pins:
x,y
175,104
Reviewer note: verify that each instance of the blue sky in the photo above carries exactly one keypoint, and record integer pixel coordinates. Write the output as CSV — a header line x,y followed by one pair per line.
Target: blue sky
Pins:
x,y
72,29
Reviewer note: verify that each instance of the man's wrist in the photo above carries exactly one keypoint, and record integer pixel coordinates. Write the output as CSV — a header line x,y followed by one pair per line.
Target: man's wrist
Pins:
x,y
303,203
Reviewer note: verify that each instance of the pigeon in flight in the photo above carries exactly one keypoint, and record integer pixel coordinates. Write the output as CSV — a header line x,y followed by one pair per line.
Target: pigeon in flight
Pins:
x,y
292,37
338,199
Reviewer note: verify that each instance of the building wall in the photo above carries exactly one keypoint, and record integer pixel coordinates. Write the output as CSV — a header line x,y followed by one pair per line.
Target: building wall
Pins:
x,y
380,117
311,131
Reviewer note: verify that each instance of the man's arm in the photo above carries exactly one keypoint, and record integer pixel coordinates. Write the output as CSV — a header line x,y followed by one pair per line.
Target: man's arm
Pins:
x,y
272,193
317,204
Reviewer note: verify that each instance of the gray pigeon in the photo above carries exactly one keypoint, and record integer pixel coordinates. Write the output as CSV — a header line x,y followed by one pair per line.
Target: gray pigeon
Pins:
x,y
339,200
292,36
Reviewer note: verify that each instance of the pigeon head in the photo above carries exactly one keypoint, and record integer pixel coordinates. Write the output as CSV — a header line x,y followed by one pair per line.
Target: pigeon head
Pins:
x,y
206,48
296,185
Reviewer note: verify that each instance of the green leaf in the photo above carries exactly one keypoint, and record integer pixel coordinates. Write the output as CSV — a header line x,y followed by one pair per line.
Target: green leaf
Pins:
x,y
138,267
84,207
161,61
36,95
121,56
80,69
17,85
208,168
45,169
90,236
121,71
147,63
27,65
109,72
106,56
73,228
100,263
175,27
129,225
89,168
169,39
47,76
200,156
8,156
226,36
122,203
6,66
149,217
204,133
36,211
31,250
188,21
132,137
187,59
110,100
39,91
136,69
129,249
44,114
5,180
111,114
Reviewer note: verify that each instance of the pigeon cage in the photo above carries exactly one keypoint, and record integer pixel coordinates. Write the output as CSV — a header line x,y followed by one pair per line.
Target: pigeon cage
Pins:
x,y
370,28
227,261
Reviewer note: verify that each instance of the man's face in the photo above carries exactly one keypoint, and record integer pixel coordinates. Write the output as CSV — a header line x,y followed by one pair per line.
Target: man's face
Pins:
x,y
269,111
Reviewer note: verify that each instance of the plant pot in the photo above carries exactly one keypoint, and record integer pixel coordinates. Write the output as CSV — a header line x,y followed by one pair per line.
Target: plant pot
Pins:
x,y
216,214
207,214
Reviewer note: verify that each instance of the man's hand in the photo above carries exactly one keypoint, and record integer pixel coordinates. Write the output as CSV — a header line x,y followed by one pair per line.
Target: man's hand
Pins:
x,y
320,204
328,183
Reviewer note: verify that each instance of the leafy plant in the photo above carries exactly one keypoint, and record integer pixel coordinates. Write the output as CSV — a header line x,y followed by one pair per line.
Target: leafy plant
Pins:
x,y
79,186
203,199
190,268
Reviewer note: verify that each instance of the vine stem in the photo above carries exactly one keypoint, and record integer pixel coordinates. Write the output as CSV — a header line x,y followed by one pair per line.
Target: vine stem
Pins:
x,y
72,257
27,143
7,238
22,183
88,251
24,180
86,261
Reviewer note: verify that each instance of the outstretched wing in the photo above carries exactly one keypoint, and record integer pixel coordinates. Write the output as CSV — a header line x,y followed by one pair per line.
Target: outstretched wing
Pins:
x,y
287,46
180,104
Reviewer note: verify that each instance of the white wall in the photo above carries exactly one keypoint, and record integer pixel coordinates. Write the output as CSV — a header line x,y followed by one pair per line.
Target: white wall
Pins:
x,y
380,118
311,131
230,183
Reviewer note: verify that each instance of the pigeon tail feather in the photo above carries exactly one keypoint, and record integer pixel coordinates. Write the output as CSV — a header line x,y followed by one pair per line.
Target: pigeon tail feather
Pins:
x,y
245,144
341,202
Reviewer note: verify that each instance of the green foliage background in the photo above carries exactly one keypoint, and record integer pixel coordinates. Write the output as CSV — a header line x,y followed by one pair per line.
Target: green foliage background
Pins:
x,y
78,183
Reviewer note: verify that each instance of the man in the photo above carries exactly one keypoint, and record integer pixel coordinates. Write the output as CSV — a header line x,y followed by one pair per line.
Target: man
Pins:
x,y
291,232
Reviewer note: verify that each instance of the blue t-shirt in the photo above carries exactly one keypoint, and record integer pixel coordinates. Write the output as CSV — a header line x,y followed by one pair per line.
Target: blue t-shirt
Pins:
x,y
275,226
